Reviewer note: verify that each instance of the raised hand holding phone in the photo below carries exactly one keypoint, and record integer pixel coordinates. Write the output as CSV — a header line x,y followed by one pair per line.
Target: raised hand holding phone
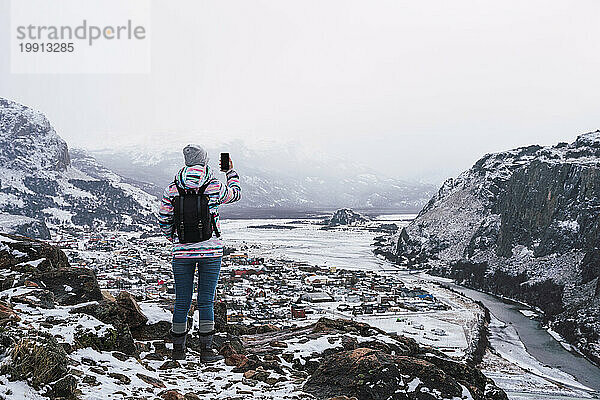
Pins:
x,y
226,163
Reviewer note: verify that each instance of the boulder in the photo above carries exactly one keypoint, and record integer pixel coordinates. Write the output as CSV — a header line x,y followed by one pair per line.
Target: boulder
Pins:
x,y
72,285
37,298
343,325
37,358
266,328
64,388
123,379
7,314
169,364
130,311
6,282
372,374
123,310
124,315
157,383
157,331
117,339
171,395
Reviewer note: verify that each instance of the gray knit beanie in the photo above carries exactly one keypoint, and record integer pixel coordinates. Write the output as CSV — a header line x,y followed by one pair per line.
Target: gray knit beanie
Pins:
x,y
195,155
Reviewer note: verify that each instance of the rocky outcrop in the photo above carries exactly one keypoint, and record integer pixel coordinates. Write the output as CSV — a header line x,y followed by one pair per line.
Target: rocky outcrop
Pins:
x,y
70,285
37,358
345,217
128,321
130,311
362,361
523,223
38,276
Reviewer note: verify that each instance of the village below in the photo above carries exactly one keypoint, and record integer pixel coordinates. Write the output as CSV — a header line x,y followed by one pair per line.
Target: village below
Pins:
x,y
255,290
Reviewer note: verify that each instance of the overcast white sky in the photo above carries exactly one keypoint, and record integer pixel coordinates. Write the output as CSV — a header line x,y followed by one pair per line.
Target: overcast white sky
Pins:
x,y
416,89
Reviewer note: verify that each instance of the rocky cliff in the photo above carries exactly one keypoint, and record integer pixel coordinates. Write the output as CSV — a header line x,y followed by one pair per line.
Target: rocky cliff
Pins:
x,y
524,223
61,337
39,179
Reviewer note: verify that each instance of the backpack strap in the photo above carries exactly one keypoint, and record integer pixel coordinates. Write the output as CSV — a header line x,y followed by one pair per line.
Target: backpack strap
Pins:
x,y
181,216
212,216
214,225
179,199
203,188
179,190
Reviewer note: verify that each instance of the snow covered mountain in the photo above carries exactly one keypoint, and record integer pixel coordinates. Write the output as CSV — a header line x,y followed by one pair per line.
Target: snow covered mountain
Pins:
x,y
524,223
41,179
278,178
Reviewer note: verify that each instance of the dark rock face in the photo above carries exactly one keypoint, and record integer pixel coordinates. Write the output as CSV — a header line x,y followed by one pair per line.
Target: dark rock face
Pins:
x,y
523,223
42,182
72,285
346,216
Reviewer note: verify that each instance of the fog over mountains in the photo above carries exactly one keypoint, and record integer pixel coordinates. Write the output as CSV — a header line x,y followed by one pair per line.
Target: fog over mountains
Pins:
x,y
278,178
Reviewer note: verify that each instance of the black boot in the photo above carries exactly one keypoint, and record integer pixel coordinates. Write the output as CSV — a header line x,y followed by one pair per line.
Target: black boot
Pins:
x,y
178,345
207,353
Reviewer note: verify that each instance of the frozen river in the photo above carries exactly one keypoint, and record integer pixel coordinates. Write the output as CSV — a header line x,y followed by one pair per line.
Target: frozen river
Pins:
x,y
513,334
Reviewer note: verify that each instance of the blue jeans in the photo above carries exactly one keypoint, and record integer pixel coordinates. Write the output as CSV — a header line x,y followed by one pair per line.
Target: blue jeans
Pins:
x,y
208,275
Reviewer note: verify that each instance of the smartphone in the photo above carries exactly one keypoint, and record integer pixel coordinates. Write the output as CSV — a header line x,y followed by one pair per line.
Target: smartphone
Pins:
x,y
224,162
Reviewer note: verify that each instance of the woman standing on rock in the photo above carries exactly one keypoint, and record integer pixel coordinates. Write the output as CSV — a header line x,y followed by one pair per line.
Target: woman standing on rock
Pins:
x,y
189,218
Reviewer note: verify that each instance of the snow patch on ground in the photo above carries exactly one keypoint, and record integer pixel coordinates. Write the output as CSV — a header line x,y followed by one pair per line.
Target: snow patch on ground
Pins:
x,y
155,312
317,345
33,263
18,390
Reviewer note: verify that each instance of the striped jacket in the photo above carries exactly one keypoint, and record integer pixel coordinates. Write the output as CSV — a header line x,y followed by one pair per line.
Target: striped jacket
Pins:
x,y
192,178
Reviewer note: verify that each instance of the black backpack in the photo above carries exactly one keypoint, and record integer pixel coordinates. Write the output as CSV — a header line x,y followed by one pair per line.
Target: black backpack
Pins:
x,y
193,219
